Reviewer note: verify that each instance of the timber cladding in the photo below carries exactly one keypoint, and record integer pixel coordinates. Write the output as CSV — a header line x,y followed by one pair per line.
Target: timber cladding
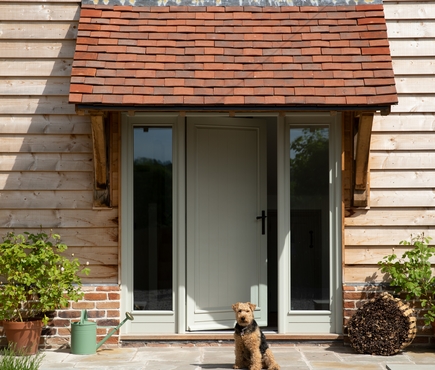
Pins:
x,y
402,160
46,155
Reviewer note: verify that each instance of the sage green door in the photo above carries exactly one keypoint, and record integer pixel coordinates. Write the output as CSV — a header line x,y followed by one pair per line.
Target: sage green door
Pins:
x,y
226,233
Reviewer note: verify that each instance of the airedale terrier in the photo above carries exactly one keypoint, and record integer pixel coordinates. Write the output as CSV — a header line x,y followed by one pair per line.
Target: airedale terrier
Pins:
x,y
252,350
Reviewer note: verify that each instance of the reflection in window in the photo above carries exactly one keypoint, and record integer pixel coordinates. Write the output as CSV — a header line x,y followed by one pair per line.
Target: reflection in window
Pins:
x,y
309,204
152,218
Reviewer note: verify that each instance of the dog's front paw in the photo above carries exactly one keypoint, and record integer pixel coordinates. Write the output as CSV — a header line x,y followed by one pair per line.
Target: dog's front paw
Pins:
x,y
236,367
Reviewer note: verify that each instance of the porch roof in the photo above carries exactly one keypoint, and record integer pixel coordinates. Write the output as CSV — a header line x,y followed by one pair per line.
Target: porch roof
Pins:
x,y
216,57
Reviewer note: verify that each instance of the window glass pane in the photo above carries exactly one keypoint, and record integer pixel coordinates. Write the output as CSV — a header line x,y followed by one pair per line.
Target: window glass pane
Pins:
x,y
309,205
152,218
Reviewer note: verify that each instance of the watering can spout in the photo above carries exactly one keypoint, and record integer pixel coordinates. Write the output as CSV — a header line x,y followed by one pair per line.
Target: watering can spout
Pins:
x,y
128,316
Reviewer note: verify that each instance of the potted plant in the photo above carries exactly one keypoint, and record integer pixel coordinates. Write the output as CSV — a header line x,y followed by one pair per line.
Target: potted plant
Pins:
x,y
36,278
411,274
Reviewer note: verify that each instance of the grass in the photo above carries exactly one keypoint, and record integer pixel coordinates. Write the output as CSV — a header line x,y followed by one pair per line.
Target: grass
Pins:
x,y
14,360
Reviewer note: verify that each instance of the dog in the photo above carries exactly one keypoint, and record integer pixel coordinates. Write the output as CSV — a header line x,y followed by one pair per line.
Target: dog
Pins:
x,y
252,350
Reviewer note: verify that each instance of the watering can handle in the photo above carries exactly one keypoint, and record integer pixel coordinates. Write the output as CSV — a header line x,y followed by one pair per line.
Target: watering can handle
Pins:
x,y
83,316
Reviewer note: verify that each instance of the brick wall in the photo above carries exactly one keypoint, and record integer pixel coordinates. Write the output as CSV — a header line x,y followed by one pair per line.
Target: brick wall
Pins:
x,y
103,305
354,297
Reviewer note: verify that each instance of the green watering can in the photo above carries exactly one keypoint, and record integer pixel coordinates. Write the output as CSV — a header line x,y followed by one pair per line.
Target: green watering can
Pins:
x,y
84,334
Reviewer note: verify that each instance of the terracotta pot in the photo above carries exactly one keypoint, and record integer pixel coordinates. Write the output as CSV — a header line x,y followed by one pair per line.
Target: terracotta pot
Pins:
x,y
25,335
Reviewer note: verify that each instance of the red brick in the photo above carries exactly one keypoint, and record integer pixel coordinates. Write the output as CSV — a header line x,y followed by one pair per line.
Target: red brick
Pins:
x,y
83,71
144,73
183,91
193,100
295,100
356,100
86,89
379,81
75,98
143,90
112,99
91,13
132,99
376,51
382,99
365,8
103,90
335,100
243,91
255,100
230,100
92,98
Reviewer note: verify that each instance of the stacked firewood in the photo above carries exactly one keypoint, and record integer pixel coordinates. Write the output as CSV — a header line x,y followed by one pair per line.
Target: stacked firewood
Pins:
x,y
383,326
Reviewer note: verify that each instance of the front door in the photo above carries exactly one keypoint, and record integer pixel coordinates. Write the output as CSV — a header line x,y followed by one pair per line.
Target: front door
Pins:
x,y
226,220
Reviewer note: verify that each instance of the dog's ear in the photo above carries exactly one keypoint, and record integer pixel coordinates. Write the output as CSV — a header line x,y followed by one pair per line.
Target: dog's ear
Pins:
x,y
235,306
252,306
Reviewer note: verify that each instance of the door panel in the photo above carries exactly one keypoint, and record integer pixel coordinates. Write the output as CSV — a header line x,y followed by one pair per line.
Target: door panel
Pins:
x,y
226,191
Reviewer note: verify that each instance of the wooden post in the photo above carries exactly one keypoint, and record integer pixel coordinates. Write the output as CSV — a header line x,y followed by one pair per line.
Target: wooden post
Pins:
x,y
362,152
101,194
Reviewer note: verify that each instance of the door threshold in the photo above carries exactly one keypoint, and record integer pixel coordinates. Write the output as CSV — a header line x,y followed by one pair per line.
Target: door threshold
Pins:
x,y
271,336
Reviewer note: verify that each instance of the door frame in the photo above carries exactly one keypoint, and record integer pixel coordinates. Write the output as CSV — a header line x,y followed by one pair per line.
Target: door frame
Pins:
x,y
174,321
299,321
155,322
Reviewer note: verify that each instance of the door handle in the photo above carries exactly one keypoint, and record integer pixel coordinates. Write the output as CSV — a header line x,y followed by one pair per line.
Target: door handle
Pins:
x,y
263,222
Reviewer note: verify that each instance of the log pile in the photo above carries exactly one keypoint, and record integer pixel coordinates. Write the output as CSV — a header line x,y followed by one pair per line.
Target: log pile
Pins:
x,y
383,326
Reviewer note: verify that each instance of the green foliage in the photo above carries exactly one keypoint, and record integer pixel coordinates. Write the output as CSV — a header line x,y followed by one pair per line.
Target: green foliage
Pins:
x,y
309,165
412,274
36,277
14,360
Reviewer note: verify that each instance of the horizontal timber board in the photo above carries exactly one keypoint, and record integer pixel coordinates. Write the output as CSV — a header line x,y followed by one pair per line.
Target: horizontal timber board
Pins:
x,y
382,236
402,179
367,274
36,67
363,274
59,218
40,11
391,217
411,47
409,10
40,30
46,199
401,122
46,144
101,255
101,274
34,86
34,180
372,255
402,198
45,124
38,49
403,141
36,105
414,103
422,84
80,237
402,160
413,66
411,28
46,162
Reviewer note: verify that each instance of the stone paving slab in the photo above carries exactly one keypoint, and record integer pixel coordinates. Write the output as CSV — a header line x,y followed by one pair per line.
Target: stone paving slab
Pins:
x,y
290,357
410,367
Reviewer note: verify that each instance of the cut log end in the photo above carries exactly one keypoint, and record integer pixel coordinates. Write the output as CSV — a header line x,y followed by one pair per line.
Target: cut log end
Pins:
x,y
383,326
